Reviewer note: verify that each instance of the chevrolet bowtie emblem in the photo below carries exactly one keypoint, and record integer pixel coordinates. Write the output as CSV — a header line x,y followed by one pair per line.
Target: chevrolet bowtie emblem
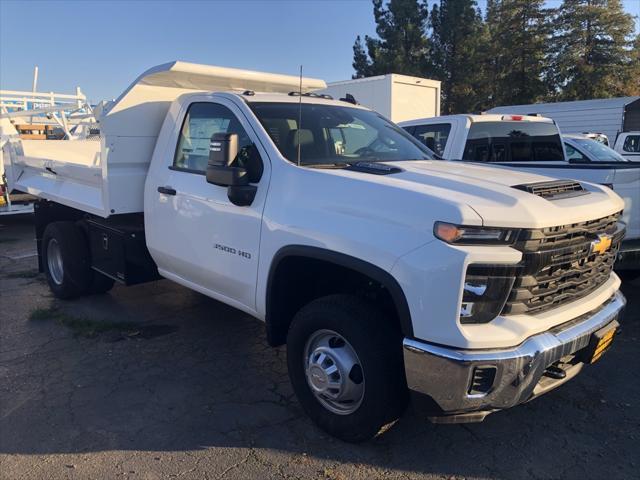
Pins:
x,y
601,245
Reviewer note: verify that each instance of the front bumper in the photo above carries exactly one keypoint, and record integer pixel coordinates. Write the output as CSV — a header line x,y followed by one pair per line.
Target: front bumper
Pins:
x,y
445,375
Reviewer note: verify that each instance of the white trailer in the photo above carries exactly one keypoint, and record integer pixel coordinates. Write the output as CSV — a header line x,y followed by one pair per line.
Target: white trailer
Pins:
x,y
397,97
609,116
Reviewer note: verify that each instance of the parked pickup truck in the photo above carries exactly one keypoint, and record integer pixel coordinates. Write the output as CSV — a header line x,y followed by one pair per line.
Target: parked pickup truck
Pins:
x,y
534,144
628,145
383,270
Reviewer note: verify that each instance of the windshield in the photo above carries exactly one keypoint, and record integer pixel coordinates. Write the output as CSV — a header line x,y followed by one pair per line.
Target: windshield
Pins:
x,y
598,152
513,141
332,134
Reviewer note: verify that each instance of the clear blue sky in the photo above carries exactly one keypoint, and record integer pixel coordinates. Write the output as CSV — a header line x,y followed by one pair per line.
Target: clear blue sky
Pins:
x,y
103,46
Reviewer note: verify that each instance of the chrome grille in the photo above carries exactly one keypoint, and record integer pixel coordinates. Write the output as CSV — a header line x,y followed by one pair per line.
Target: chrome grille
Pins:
x,y
558,264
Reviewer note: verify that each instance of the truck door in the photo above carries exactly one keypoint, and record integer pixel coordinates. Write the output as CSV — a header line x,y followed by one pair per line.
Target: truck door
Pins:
x,y
195,234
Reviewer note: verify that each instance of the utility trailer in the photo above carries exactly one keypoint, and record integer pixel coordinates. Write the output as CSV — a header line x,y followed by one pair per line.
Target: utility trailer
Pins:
x,y
386,272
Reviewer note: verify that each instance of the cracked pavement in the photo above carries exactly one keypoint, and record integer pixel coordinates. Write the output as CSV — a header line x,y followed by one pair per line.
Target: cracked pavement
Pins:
x,y
201,395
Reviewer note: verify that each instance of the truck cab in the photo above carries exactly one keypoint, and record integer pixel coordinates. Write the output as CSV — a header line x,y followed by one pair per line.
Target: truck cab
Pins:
x,y
388,273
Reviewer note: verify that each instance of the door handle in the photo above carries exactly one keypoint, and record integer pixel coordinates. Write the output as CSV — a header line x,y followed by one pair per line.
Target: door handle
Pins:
x,y
167,190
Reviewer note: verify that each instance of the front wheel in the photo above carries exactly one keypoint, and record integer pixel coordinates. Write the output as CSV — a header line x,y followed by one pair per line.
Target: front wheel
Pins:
x,y
345,365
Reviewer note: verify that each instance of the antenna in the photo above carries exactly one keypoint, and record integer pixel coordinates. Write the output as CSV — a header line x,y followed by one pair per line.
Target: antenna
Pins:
x,y
299,114
34,89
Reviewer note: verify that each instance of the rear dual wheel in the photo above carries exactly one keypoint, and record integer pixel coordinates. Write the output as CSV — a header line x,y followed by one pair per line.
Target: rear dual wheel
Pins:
x,y
67,265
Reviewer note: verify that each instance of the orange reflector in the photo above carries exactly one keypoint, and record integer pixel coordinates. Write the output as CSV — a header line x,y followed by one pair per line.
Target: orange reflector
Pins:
x,y
447,232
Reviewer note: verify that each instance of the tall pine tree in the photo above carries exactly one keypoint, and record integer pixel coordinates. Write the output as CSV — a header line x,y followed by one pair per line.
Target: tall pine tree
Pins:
x,y
593,50
456,43
519,42
402,46
635,68
362,64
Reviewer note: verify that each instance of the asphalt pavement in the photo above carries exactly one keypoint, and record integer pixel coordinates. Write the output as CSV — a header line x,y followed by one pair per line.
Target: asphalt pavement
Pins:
x,y
156,381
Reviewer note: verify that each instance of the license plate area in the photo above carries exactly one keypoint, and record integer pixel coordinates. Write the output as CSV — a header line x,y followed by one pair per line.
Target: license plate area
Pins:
x,y
600,342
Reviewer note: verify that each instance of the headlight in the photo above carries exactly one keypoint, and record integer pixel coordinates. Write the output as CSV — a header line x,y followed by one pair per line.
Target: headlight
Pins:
x,y
463,235
483,297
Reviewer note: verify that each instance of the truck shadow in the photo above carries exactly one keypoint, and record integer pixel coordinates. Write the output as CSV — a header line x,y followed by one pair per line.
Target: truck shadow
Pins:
x,y
207,378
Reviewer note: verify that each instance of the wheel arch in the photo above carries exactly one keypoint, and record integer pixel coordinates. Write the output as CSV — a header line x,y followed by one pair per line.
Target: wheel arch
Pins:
x,y
280,309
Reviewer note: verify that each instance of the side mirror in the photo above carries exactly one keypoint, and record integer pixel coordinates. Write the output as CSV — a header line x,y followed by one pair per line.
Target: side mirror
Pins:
x,y
223,150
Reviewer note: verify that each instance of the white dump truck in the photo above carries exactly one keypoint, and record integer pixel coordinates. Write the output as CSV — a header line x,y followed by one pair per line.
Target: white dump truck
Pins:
x,y
383,270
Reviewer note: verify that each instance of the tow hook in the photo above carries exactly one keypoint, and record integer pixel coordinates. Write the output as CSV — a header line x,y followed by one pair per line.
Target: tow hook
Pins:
x,y
556,372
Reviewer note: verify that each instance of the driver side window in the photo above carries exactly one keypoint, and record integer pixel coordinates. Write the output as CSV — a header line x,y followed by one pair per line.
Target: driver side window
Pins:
x,y
200,123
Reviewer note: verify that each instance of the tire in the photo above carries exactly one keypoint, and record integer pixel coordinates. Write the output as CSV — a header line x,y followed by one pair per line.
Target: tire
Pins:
x,y
377,345
65,256
100,283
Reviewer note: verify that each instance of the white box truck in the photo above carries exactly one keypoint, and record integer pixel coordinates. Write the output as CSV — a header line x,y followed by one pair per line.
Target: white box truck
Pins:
x,y
384,271
397,97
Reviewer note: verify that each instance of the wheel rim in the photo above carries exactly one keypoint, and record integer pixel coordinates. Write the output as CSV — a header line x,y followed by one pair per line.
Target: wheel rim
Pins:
x,y
333,371
54,261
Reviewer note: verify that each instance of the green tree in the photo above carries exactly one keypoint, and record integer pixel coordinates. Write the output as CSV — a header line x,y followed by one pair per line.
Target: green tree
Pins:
x,y
457,35
633,83
402,46
519,42
491,63
593,51
362,64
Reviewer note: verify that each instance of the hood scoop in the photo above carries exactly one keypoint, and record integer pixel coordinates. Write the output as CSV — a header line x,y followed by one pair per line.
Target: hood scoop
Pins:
x,y
554,190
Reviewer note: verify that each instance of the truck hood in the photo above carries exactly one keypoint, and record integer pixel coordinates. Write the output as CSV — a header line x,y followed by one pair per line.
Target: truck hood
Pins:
x,y
490,192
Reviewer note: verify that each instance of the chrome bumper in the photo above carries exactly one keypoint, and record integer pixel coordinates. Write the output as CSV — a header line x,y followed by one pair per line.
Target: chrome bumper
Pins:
x,y
445,374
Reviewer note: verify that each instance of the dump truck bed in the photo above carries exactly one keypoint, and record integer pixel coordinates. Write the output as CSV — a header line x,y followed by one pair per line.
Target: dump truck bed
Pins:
x,y
106,175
